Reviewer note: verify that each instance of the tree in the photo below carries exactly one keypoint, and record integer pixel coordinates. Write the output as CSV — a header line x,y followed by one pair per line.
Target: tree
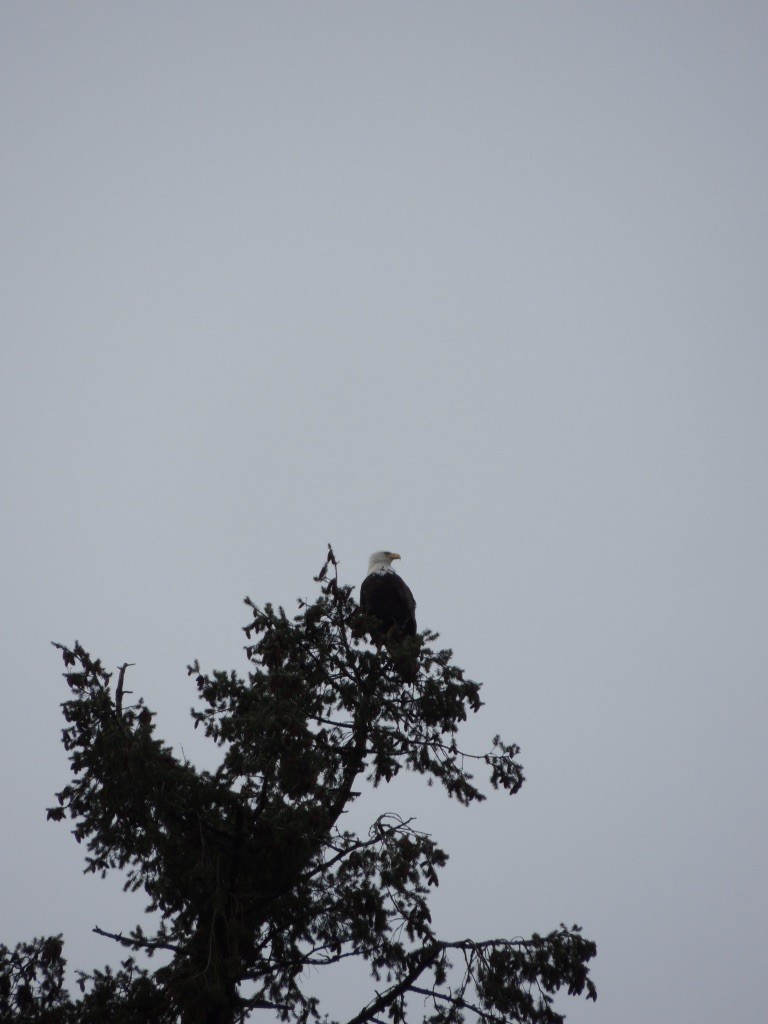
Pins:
x,y
248,872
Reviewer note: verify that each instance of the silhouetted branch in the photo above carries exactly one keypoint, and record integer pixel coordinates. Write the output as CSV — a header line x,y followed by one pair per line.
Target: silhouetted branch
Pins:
x,y
119,691
126,940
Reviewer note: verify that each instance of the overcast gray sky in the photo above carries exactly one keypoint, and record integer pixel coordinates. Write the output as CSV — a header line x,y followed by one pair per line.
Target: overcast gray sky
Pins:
x,y
483,283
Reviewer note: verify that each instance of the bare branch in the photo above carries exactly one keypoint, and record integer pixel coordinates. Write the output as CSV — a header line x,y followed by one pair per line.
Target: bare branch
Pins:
x,y
126,940
119,688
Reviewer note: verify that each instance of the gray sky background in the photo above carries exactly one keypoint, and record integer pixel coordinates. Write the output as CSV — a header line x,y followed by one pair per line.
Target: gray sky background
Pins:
x,y
483,283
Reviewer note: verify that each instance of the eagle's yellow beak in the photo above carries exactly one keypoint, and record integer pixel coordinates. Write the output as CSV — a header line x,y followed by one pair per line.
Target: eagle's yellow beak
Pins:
x,y
393,556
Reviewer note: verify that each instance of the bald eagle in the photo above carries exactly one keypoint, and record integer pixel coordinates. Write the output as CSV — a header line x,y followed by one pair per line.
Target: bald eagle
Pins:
x,y
387,598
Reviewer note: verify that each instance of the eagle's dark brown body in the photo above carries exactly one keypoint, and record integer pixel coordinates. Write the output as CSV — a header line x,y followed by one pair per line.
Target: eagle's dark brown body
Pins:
x,y
387,598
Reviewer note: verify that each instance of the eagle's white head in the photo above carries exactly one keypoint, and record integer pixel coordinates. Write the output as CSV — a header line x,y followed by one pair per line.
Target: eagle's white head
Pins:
x,y
381,561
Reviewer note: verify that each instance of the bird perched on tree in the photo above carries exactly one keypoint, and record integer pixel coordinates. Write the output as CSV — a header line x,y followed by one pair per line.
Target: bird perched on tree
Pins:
x,y
387,598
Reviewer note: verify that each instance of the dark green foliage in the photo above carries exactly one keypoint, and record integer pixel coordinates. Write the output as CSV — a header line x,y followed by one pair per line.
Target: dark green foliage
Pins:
x,y
32,980
249,873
